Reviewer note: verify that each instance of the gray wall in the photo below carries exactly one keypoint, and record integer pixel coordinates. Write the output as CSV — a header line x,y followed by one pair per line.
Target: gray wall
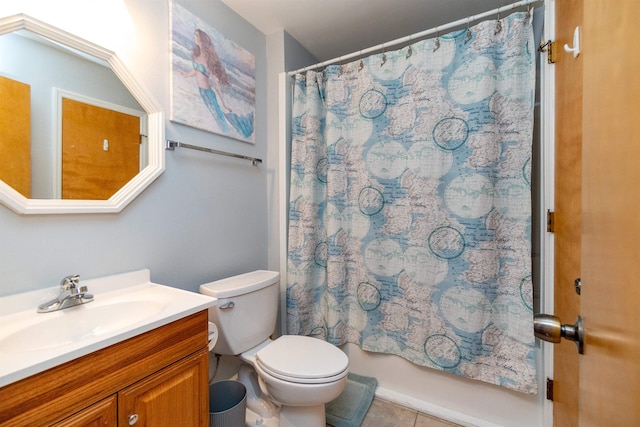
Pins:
x,y
295,55
204,218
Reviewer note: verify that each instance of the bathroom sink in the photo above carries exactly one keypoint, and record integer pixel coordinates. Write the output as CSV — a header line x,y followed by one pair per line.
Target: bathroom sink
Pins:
x,y
124,306
75,324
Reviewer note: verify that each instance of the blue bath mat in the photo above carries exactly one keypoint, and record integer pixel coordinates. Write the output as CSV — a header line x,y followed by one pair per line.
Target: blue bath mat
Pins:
x,y
349,409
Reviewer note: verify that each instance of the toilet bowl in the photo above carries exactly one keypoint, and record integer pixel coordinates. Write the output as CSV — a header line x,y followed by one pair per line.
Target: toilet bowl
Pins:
x,y
300,374
296,375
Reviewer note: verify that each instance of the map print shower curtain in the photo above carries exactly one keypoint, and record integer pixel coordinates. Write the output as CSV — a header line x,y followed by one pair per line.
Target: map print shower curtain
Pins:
x,y
410,203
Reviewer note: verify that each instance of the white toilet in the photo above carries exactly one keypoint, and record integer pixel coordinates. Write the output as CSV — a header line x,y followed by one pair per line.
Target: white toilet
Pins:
x,y
297,373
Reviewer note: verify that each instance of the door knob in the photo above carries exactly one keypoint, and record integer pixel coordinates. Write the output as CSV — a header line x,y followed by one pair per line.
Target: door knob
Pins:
x,y
549,328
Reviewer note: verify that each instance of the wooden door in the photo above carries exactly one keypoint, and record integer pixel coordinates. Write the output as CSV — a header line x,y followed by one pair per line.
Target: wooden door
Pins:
x,y
175,396
567,207
608,374
15,135
610,367
93,169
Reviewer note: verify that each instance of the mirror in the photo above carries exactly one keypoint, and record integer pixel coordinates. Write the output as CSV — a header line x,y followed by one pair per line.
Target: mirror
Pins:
x,y
68,81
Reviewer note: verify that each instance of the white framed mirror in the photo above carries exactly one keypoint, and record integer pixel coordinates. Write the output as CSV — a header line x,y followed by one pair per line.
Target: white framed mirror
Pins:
x,y
128,98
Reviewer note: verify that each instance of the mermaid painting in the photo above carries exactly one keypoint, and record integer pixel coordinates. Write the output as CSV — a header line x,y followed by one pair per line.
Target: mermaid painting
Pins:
x,y
211,77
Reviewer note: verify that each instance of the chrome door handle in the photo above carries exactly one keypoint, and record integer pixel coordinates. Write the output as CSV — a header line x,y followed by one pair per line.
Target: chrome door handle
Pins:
x,y
549,328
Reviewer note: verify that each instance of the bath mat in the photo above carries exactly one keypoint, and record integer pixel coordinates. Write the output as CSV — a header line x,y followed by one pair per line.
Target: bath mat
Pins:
x,y
349,409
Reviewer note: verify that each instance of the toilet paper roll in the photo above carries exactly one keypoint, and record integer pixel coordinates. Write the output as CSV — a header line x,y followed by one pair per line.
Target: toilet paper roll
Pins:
x,y
213,335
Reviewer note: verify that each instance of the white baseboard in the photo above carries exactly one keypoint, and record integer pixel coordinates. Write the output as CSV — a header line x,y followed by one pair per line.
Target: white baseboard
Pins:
x,y
431,409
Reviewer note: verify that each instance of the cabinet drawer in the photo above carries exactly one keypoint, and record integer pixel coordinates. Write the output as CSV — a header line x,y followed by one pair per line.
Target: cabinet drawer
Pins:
x,y
101,414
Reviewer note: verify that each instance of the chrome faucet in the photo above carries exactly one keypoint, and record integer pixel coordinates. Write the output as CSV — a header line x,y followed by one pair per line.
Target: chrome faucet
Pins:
x,y
71,294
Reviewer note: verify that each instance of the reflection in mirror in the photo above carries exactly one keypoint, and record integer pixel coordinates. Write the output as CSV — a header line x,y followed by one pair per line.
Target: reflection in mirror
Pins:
x,y
94,121
80,133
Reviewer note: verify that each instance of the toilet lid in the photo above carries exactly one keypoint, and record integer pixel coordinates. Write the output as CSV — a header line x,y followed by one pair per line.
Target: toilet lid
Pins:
x,y
300,357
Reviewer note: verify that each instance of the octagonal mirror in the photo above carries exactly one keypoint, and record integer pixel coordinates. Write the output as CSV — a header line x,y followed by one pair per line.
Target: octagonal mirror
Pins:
x,y
77,132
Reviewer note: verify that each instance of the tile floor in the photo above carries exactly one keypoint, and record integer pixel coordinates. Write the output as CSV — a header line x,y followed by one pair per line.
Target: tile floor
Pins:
x,y
386,414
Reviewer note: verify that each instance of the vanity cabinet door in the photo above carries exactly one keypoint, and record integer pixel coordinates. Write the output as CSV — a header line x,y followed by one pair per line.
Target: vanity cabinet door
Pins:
x,y
175,396
101,414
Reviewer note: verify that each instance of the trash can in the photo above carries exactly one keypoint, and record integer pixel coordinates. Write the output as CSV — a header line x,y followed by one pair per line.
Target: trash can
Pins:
x,y
227,404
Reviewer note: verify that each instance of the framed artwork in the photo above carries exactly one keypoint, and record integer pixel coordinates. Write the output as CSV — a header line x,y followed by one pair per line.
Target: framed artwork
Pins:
x,y
212,79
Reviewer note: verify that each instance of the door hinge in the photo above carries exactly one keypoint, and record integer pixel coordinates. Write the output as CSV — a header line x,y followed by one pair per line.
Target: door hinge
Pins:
x,y
577,285
551,48
551,221
550,389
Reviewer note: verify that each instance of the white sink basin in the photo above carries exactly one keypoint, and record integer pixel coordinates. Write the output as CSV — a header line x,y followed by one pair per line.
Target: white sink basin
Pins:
x,y
124,306
75,324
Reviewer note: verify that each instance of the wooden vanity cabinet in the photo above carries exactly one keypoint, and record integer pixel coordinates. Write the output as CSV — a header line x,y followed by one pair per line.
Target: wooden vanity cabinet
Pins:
x,y
159,378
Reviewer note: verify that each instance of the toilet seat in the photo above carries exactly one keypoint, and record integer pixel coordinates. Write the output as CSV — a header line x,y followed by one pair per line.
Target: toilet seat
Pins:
x,y
301,359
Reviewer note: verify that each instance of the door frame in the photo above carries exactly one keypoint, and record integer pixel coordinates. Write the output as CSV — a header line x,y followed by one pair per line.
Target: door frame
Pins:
x,y
547,176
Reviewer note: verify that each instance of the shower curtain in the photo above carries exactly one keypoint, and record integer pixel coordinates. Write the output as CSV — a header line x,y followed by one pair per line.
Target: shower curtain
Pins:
x,y
410,203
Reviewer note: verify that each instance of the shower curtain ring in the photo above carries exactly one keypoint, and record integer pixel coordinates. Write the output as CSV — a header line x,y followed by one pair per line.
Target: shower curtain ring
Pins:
x,y
467,36
384,56
361,64
409,50
436,42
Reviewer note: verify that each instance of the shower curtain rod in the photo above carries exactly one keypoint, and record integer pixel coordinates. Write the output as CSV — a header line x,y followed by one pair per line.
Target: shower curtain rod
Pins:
x,y
416,36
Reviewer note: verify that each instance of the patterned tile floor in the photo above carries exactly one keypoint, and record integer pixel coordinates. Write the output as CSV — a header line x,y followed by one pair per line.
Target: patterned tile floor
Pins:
x,y
387,414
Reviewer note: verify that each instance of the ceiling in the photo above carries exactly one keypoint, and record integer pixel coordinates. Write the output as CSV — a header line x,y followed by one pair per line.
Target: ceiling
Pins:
x,y
331,28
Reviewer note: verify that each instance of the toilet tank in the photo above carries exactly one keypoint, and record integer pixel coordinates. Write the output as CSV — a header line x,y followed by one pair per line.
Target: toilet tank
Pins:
x,y
246,311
